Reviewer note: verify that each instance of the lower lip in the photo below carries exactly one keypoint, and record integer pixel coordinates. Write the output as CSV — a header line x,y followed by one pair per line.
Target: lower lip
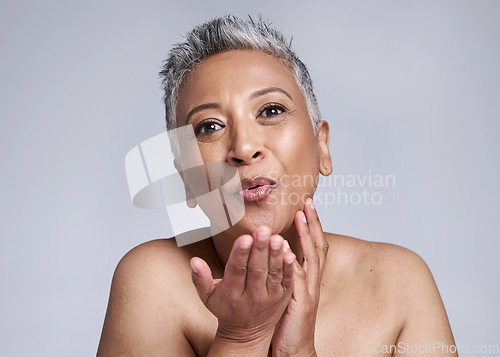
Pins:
x,y
255,194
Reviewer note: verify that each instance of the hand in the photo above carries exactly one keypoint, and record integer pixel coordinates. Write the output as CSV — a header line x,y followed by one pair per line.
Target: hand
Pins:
x,y
256,288
294,334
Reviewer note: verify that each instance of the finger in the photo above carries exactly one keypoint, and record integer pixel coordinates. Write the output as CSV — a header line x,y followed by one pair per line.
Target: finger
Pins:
x,y
202,278
311,264
275,270
298,274
289,259
316,231
258,262
235,272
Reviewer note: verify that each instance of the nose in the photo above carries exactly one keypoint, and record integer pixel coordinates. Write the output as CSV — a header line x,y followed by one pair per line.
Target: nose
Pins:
x,y
246,145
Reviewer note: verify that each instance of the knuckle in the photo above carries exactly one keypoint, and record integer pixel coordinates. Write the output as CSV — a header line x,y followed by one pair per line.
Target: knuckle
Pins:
x,y
231,298
236,270
288,275
256,272
234,302
275,274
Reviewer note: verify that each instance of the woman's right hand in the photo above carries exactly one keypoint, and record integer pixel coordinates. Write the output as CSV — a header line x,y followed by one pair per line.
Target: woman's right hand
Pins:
x,y
255,290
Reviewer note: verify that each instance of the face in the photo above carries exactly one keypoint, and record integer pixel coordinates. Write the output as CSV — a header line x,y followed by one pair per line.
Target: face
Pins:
x,y
247,110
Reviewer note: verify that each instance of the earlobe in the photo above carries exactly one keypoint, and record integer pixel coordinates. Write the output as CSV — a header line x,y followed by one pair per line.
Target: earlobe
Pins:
x,y
190,200
323,138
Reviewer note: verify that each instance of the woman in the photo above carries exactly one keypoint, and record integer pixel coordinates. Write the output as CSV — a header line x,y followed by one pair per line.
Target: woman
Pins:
x,y
274,283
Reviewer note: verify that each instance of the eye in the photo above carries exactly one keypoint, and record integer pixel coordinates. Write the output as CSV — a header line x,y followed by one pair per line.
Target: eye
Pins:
x,y
208,127
272,110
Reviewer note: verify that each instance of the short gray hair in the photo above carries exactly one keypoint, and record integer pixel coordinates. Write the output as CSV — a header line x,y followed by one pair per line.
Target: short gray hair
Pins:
x,y
224,34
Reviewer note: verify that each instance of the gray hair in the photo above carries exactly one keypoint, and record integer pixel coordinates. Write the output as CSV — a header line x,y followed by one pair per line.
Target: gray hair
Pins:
x,y
224,34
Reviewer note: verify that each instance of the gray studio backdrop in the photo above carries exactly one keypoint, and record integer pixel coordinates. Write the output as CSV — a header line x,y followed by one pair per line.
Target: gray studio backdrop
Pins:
x,y
410,89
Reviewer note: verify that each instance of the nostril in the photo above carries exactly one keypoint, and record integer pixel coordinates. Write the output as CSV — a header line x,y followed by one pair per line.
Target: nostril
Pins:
x,y
244,158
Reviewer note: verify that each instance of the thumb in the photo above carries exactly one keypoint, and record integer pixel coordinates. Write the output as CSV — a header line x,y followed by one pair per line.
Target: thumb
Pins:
x,y
202,278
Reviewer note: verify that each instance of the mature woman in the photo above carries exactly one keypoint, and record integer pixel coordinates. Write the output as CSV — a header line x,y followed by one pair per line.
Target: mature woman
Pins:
x,y
274,283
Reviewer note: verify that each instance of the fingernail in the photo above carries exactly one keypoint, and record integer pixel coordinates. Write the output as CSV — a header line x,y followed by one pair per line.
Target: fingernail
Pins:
x,y
262,236
286,245
193,268
245,243
311,204
275,244
303,216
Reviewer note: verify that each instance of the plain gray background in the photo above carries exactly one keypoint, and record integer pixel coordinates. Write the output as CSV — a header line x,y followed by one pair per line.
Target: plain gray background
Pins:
x,y
410,89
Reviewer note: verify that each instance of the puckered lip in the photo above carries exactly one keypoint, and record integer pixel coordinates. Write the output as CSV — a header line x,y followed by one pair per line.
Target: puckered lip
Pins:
x,y
256,181
256,188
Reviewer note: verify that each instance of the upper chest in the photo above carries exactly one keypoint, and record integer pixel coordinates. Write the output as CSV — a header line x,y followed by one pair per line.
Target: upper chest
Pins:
x,y
350,321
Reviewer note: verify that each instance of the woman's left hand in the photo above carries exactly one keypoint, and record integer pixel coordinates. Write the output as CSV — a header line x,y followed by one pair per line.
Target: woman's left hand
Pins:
x,y
294,333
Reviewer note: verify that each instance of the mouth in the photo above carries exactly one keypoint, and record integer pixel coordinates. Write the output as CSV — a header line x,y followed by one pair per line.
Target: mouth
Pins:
x,y
256,188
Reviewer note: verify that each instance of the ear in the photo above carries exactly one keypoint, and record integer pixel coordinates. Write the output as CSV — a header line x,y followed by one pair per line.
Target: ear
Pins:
x,y
190,200
323,139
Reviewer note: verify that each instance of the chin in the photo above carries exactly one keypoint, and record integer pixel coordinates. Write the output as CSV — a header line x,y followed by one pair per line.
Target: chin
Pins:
x,y
279,222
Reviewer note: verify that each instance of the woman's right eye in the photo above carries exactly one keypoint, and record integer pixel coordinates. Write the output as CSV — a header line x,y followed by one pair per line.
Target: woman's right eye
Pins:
x,y
208,127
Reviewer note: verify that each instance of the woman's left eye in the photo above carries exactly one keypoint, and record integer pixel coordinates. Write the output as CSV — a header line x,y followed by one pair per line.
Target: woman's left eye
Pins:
x,y
208,127
272,110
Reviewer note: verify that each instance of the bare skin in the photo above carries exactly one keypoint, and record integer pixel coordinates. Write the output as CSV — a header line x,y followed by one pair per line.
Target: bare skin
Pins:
x,y
244,292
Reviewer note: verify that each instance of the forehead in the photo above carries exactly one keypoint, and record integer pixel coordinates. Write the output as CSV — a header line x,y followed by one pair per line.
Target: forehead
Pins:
x,y
234,73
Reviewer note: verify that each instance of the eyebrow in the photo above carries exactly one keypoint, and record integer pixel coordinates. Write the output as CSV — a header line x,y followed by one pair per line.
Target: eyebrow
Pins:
x,y
200,108
265,91
254,95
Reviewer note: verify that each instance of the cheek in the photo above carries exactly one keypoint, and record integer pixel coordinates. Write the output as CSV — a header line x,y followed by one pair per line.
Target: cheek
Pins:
x,y
212,152
299,158
298,150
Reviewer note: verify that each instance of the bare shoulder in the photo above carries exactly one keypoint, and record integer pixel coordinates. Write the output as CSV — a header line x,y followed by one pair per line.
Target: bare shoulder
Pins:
x,y
150,294
152,270
395,281
153,260
390,271
389,262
